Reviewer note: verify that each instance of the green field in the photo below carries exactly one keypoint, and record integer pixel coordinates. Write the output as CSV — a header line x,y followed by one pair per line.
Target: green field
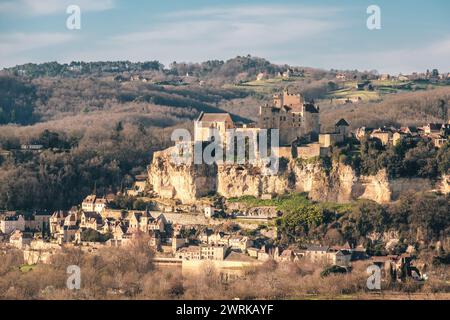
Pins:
x,y
27,267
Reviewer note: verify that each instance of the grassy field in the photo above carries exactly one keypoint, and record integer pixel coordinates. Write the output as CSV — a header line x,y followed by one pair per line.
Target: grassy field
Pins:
x,y
348,93
292,200
265,86
27,267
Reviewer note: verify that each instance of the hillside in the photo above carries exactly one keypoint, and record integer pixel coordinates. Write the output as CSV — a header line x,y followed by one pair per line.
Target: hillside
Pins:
x,y
100,122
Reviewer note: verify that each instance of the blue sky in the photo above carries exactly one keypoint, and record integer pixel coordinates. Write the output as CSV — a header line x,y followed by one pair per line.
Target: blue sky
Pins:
x,y
414,35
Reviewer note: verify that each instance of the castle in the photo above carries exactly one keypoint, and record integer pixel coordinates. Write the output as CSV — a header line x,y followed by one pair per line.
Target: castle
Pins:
x,y
289,113
292,116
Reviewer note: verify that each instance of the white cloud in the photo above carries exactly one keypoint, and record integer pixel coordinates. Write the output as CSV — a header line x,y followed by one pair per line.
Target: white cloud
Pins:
x,y
48,7
397,60
220,33
17,47
266,12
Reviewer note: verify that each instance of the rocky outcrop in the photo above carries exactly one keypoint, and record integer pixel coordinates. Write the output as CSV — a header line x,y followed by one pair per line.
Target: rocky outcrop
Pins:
x,y
340,183
445,184
186,182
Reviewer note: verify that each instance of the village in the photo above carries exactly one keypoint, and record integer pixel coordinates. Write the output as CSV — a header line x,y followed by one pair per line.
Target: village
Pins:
x,y
183,240
227,236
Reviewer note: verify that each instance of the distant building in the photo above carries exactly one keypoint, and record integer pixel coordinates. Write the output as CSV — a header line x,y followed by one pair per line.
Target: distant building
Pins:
x,y
328,255
432,128
91,220
207,122
209,212
20,239
261,76
177,243
294,118
384,135
94,204
67,234
203,252
289,113
11,223
340,133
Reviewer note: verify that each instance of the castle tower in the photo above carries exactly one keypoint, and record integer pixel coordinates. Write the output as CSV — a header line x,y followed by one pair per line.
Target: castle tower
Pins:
x,y
342,127
292,116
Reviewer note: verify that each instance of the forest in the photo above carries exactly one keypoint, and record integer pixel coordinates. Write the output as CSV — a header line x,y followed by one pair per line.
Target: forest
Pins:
x,y
407,159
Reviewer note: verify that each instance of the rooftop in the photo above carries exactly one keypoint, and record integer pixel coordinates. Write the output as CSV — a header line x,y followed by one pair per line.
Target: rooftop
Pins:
x,y
214,117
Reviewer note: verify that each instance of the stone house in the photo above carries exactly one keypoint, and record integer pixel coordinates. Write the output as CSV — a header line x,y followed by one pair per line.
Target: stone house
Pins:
x,y
432,128
108,226
71,220
119,230
20,239
134,220
94,204
67,234
286,256
177,243
121,236
382,134
326,140
362,133
145,222
8,224
189,253
328,255
158,224
341,132
88,203
234,242
138,188
266,253
203,252
240,243
261,76
91,220
209,211
317,254
57,221
37,221
439,141
207,122
253,252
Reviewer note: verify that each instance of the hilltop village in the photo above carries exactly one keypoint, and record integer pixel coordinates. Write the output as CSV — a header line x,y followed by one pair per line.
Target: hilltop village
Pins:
x,y
186,224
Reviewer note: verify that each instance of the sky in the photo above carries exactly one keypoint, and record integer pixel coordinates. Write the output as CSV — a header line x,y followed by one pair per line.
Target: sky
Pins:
x,y
414,35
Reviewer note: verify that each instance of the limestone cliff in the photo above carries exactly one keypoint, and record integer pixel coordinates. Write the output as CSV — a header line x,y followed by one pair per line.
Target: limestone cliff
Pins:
x,y
185,182
340,183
